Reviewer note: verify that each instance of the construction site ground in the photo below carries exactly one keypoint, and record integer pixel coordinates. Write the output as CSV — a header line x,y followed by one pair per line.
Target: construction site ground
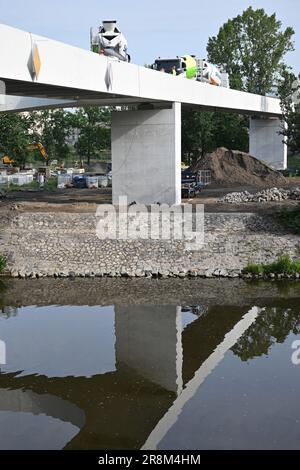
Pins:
x,y
86,200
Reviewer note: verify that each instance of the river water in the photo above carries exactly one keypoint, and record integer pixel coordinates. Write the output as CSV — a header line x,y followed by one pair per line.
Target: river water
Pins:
x,y
167,364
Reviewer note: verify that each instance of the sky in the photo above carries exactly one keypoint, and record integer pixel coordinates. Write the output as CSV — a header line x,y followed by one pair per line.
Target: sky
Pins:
x,y
153,28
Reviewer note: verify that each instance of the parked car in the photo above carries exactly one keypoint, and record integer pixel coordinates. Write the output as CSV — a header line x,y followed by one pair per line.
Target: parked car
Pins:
x,y
187,176
191,189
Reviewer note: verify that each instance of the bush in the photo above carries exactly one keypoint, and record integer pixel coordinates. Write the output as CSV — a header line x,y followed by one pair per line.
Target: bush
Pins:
x,y
284,265
51,184
2,263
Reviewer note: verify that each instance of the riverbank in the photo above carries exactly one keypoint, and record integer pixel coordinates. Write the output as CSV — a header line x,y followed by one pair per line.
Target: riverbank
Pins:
x,y
111,291
63,244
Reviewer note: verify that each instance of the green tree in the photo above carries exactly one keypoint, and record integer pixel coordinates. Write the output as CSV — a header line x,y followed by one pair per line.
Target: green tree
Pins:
x,y
251,47
289,92
197,134
231,131
52,127
15,135
203,132
94,125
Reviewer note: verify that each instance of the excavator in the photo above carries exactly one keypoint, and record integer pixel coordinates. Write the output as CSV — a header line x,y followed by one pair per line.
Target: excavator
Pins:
x,y
39,146
6,160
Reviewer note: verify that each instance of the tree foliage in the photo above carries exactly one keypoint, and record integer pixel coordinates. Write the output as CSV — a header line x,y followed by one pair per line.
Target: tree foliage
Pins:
x,y
15,135
203,132
51,128
251,47
231,131
197,134
271,327
289,91
94,125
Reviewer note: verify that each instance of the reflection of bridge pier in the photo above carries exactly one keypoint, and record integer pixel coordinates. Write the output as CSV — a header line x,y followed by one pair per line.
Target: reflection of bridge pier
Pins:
x,y
155,358
148,339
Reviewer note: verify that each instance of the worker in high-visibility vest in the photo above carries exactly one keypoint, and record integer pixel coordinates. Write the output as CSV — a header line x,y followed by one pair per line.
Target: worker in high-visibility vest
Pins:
x,y
174,72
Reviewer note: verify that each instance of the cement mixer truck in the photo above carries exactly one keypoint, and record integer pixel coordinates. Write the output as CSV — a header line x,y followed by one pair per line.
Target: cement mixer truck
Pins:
x,y
190,67
109,40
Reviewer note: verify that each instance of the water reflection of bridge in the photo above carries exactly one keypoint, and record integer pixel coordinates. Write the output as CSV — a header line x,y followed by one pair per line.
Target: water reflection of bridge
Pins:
x,y
161,358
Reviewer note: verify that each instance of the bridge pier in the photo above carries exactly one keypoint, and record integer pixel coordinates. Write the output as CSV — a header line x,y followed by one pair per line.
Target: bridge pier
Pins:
x,y
266,143
146,155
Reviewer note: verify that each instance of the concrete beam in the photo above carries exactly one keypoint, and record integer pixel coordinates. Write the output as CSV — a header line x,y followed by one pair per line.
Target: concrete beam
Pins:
x,y
266,142
146,156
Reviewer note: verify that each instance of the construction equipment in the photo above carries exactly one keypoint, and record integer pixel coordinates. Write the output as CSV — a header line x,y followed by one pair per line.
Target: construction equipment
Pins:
x,y
109,40
39,146
6,160
190,67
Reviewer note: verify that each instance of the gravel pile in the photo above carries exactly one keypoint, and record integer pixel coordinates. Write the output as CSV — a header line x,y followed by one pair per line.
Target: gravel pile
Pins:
x,y
295,194
266,195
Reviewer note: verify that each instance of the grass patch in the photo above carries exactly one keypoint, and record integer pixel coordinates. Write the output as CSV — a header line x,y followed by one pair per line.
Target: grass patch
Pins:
x,y
50,185
14,188
284,265
2,263
254,269
290,218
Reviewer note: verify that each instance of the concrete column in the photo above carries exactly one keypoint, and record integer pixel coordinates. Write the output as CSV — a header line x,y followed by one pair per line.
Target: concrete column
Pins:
x,y
146,155
266,143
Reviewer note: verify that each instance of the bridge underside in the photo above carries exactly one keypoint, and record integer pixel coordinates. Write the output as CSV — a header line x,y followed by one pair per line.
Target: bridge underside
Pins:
x,y
22,96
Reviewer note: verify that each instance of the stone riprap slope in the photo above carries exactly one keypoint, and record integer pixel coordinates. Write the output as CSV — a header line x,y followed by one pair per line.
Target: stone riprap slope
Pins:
x,y
266,195
65,245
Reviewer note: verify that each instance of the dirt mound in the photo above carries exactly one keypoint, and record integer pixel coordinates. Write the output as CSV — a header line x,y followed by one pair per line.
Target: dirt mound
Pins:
x,y
232,167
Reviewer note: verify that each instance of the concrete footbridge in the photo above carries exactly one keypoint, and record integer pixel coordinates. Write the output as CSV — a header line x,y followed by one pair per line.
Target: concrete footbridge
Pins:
x,y
38,73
